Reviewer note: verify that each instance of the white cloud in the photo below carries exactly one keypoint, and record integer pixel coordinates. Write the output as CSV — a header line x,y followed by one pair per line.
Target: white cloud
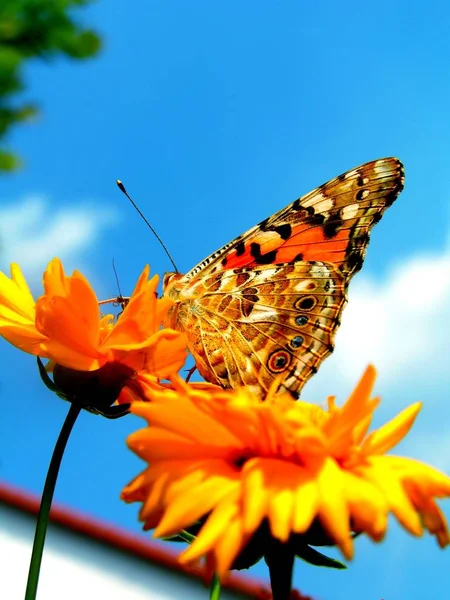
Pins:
x,y
32,232
401,325
398,324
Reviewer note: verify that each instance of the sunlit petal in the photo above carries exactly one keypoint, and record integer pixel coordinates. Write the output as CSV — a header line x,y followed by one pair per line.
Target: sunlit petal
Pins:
x,y
290,465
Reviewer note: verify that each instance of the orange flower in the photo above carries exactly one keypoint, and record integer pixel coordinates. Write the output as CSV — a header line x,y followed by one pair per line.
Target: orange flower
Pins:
x,y
65,325
235,463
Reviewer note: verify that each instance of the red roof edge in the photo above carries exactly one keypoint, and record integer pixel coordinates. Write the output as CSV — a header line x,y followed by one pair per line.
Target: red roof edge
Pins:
x,y
121,539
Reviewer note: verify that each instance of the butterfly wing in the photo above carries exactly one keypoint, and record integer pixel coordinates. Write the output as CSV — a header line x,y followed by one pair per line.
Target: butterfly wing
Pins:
x,y
249,325
319,241
331,223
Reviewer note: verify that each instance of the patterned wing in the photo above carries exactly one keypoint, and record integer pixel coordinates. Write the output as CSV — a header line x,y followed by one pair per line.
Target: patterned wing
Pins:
x,y
270,301
332,223
249,325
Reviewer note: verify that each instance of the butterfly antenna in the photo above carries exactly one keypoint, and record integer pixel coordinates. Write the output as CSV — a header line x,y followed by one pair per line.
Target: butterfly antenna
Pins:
x,y
117,278
119,300
124,191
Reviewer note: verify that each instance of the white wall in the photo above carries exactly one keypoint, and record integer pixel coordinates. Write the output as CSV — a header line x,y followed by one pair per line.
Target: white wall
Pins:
x,y
75,568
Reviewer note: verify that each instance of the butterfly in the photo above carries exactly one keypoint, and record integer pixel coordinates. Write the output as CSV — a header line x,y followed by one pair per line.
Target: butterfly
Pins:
x,y
268,304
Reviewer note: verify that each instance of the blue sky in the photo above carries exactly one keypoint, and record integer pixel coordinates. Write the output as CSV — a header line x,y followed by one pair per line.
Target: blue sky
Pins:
x,y
216,115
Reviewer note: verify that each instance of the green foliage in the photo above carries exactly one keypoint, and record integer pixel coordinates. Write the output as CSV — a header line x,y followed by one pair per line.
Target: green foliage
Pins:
x,y
30,29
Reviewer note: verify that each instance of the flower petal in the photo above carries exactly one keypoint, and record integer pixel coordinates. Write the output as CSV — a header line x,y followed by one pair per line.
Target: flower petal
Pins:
x,y
238,463
390,434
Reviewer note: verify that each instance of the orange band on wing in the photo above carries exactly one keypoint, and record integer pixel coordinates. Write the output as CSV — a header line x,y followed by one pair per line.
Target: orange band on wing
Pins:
x,y
307,244
233,261
312,244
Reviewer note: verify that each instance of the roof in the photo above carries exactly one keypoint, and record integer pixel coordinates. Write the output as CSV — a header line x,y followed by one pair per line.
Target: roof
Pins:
x,y
124,541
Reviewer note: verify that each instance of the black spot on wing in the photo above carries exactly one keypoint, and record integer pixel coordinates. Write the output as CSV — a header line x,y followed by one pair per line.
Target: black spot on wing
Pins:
x,y
331,228
305,302
316,219
240,248
392,196
354,262
262,259
363,239
377,218
263,224
284,231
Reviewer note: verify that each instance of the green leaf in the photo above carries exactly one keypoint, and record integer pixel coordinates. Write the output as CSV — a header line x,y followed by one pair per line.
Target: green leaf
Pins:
x,y
313,557
186,536
45,377
182,536
30,29
174,538
9,162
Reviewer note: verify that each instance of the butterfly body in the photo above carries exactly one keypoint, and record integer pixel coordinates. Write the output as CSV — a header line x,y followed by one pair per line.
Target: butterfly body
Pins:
x,y
268,304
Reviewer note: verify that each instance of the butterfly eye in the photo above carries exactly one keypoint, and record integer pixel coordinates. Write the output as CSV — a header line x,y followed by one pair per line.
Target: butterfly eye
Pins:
x,y
279,361
305,303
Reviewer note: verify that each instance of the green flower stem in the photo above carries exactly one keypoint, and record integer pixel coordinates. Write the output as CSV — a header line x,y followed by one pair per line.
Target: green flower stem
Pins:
x,y
280,560
214,591
46,502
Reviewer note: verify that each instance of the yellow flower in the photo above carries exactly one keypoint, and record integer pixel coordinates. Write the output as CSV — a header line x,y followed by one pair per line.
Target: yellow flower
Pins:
x,y
65,326
234,463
